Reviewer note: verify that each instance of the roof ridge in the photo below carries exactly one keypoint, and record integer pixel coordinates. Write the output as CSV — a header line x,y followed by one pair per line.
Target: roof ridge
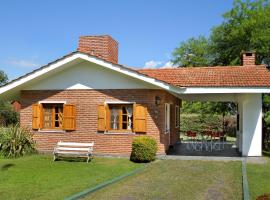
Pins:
x,y
204,67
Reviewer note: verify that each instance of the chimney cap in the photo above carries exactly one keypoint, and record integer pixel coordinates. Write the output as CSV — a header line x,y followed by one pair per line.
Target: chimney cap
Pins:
x,y
248,52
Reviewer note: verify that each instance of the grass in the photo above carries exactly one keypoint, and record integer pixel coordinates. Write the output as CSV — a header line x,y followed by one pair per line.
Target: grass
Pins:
x,y
38,177
175,179
258,178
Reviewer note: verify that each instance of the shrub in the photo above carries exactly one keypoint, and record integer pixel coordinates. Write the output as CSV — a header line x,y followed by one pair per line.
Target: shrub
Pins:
x,y
7,115
144,149
16,141
199,123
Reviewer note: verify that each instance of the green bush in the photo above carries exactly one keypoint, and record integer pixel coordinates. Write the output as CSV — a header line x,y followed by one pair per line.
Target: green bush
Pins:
x,y
7,115
16,141
213,122
144,149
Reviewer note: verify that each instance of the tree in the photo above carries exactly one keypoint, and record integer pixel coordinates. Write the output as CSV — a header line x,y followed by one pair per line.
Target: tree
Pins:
x,y
192,53
3,78
266,121
246,27
7,115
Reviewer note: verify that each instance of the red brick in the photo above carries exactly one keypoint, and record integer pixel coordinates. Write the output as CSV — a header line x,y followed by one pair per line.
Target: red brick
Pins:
x,y
86,102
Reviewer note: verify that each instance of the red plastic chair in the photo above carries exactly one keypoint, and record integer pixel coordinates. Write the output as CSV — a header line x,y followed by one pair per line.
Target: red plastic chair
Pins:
x,y
192,136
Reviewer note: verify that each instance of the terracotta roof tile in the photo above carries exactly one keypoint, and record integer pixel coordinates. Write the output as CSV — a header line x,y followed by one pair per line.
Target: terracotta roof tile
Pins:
x,y
220,76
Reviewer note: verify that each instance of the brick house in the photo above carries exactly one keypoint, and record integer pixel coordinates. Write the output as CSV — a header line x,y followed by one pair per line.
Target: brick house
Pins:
x,y
87,96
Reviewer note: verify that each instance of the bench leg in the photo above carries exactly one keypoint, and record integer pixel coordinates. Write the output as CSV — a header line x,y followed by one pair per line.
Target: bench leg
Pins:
x,y
54,157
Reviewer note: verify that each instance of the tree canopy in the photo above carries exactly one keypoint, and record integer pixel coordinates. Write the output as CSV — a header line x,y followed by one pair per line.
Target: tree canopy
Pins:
x,y
246,27
3,78
192,53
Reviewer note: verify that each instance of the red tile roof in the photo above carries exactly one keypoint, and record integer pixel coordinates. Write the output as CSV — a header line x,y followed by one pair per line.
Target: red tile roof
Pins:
x,y
220,76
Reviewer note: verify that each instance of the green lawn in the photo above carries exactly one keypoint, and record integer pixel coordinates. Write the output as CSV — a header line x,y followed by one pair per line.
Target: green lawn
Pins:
x,y
258,179
38,177
175,179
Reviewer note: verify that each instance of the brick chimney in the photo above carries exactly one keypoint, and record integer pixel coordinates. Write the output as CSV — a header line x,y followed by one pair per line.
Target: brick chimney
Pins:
x,y
103,46
248,59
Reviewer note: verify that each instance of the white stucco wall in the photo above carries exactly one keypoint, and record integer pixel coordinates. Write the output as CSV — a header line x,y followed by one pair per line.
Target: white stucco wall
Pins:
x,y
250,111
87,75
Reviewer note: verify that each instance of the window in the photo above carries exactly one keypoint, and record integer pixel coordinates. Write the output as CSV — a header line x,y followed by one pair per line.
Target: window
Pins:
x,y
167,118
121,117
177,116
53,116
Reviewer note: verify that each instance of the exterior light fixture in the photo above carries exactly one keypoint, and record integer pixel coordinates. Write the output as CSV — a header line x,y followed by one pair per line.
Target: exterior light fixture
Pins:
x,y
157,100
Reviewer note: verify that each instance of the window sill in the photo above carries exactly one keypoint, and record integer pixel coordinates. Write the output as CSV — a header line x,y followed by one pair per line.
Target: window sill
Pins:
x,y
51,131
118,133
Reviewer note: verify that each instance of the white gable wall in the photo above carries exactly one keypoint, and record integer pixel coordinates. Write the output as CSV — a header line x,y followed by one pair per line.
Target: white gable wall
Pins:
x,y
86,75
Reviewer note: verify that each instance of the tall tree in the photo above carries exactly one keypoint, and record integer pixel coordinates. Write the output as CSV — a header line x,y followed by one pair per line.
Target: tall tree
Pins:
x,y
3,78
246,27
192,53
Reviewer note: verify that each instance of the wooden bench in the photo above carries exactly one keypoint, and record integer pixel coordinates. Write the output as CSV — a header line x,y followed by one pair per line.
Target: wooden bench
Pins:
x,y
73,149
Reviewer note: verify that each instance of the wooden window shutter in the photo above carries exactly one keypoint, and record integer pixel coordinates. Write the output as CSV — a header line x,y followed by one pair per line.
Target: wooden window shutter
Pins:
x,y
108,117
36,116
101,118
139,116
41,125
69,117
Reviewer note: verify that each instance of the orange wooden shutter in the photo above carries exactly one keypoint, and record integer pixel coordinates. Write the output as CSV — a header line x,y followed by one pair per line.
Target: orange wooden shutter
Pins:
x,y
139,116
101,118
41,125
69,117
36,116
108,118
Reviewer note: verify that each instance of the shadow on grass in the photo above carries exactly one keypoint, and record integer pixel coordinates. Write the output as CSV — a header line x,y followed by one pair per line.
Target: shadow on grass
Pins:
x,y
7,166
72,159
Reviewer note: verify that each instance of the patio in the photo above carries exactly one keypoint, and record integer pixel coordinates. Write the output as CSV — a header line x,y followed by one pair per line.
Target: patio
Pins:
x,y
182,149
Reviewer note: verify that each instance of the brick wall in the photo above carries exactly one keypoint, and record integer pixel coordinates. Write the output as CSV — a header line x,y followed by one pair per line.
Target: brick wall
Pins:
x,y
103,46
86,102
248,58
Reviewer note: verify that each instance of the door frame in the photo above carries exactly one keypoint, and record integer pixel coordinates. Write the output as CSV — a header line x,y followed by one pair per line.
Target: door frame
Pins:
x,y
167,124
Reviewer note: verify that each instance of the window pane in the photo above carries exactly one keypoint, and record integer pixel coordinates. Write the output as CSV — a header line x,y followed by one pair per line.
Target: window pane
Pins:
x,y
114,118
124,126
53,116
129,117
58,116
121,117
47,117
56,124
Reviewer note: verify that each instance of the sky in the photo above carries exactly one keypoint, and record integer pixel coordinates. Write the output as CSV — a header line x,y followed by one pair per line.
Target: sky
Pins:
x,y
34,33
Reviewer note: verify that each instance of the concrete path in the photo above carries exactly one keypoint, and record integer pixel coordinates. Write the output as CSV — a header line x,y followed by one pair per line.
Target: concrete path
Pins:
x,y
253,160
202,158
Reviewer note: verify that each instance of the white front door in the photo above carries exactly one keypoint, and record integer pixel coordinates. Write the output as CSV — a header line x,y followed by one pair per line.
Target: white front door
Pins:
x,y
167,120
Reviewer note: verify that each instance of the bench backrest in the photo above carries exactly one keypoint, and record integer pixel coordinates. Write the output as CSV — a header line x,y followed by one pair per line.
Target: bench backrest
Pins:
x,y
75,146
